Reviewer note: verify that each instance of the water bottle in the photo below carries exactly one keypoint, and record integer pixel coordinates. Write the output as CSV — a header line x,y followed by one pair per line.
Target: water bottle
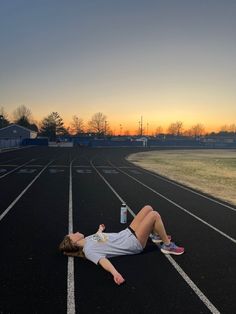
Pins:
x,y
123,214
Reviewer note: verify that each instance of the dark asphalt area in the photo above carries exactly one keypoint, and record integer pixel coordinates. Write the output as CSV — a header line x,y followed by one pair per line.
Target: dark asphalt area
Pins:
x,y
35,202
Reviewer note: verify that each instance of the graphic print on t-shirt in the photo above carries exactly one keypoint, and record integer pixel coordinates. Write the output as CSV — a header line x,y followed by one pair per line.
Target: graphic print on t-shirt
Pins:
x,y
100,237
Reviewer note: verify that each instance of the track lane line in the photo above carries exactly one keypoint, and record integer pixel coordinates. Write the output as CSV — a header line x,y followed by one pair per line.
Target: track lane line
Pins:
x,y
70,265
183,187
7,161
182,273
177,205
23,192
13,170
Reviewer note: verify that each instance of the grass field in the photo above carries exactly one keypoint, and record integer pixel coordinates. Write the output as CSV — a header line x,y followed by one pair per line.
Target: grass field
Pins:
x,y
210,171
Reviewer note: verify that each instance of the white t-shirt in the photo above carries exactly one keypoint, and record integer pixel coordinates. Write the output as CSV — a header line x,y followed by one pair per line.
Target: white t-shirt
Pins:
x,y
100,245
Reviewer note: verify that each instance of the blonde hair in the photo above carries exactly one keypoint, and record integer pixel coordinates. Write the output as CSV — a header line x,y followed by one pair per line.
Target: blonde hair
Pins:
x,y
70,249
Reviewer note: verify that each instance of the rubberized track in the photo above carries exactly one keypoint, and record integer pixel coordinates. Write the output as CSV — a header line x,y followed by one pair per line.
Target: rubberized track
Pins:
x,y
41,187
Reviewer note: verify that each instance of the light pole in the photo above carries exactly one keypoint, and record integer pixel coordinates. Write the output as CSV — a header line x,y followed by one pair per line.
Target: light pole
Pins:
x,y
141,126
120,129
105,128
1,121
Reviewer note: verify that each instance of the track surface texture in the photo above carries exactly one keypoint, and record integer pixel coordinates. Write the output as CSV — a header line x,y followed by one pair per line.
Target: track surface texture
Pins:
x,y
44,192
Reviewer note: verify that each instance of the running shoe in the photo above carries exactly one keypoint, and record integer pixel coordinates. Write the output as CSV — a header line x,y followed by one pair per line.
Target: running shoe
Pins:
x,y
156,238
172,248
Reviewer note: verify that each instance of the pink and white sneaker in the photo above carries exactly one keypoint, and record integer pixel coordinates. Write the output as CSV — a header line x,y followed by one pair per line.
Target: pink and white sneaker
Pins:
x,y
172,248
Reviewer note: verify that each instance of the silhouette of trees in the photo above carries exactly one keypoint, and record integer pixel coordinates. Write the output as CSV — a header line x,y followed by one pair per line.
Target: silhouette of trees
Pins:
x,y
98,124
197,130
159,130
22,116
176,128
3,118
228,128
232,128
53,126
77,125
127,132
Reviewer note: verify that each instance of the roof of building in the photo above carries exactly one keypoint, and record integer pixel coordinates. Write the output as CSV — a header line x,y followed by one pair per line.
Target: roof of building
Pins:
x,y
17,125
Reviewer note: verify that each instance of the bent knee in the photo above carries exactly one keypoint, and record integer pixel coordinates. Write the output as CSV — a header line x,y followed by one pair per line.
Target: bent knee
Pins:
x,y
148,208
155,215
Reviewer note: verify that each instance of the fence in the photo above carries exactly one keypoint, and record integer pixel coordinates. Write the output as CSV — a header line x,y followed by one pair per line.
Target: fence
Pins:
x,y
9,142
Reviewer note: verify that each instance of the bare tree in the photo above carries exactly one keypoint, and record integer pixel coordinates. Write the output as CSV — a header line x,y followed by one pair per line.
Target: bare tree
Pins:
x,y
3,118
176,128
188,132
77,125
197,130
98,124
228,128
224,128
23,116
232,128
127,133
159,130
22,113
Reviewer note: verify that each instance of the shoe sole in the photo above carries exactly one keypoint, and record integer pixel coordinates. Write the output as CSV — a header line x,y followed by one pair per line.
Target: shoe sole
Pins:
x,y
159,241
171,252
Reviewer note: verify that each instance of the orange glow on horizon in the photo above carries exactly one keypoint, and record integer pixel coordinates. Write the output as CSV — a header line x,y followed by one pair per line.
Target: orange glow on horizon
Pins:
x,y
130,124
132,128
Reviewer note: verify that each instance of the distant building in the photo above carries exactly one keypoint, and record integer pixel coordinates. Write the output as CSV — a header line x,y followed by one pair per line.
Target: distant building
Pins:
x,y
15,131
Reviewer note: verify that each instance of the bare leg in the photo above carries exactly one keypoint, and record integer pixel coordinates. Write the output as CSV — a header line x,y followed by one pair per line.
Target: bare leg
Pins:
x,y
151,222
140,216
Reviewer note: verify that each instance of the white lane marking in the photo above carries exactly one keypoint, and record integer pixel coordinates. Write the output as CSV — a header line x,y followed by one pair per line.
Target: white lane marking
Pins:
x,y
110,171
118,196
187,189
27,171
6,174
180,207
14,149
23,192
83,170
60,166
182,273
192,285
54,170
70,265
10,160
134,171
8,165
70,223
70,286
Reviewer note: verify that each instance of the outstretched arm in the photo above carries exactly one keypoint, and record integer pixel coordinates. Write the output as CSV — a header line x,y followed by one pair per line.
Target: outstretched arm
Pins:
x,y
101,228
107,265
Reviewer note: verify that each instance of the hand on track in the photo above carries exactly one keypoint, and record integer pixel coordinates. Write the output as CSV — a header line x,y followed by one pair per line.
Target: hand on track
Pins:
x,y
118,279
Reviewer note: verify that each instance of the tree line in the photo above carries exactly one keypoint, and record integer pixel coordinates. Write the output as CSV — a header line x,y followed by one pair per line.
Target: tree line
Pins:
x,y
52,126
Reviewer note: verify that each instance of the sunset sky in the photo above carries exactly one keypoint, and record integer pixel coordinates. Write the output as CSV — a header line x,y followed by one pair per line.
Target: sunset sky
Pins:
x,y
166,60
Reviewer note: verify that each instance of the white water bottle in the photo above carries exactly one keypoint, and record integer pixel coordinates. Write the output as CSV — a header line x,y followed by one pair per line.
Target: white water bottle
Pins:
x,y
123,214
